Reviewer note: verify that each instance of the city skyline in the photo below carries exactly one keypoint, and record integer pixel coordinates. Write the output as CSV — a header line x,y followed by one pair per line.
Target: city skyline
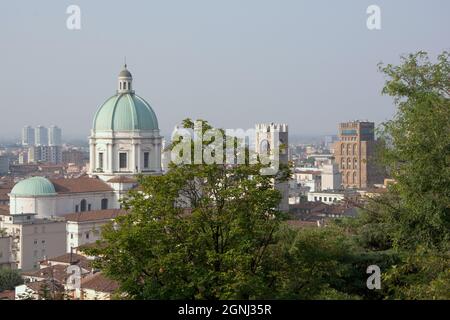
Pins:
x,y
274,69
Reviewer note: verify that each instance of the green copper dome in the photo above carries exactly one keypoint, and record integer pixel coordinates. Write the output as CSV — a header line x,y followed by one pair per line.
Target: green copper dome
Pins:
x,y
125,112
35,186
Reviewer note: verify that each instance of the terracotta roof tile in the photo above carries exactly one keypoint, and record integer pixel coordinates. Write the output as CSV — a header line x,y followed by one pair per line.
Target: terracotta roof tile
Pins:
x,y
100,283
4,210
8,295
122,179
57,272
80,185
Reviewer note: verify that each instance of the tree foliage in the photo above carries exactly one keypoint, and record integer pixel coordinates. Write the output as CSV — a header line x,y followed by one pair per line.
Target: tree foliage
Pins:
x,y
417,150
9,279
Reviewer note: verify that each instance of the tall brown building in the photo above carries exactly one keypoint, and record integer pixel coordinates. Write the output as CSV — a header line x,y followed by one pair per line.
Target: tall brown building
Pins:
x,y
354,154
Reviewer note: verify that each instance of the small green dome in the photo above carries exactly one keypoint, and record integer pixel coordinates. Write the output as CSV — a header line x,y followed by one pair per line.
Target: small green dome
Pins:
x,y
125,112
35,186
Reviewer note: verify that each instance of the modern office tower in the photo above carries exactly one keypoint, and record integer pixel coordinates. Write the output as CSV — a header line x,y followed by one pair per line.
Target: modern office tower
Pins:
x,y
41,136
354,153
54,136
27,136
265,140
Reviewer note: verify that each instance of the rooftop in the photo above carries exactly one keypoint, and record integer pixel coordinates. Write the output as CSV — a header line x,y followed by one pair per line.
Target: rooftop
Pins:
x,y
80,185
107,214
100,283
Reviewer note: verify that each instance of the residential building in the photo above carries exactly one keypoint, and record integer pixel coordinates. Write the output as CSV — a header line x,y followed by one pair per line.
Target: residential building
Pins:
x,y
85,228
28,138
41,136
33,239
4,164
333,196
54,136
6,261
331,177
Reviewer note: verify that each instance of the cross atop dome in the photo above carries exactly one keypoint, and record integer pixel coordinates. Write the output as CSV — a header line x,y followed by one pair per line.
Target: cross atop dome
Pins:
x,y
125,81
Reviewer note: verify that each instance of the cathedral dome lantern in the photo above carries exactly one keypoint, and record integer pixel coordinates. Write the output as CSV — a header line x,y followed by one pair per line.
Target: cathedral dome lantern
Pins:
x,y
125,81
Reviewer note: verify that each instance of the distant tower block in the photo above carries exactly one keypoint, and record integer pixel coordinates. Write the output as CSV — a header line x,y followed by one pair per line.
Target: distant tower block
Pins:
x,y
265,136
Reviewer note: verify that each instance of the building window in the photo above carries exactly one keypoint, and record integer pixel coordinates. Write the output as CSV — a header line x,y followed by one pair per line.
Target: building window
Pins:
x,y
89,207
146,159
100,160
83,205
122,160
355,163
35,241
71,236
76,208
87,235
125,85
104,204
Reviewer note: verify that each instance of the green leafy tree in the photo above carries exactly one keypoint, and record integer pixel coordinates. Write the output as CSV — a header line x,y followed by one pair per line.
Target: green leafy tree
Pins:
x,y
197,232
9,279
417,151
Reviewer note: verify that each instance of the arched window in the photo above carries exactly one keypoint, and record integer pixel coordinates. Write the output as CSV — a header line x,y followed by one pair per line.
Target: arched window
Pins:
x,y
342,148
264,147
354,177
355,163
120,85
348,178
104,204
343,163
83,204
349,163
125,86
348,149
355,149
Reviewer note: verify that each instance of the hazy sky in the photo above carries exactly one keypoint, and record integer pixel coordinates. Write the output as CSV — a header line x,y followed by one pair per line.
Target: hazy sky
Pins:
x,y
310,64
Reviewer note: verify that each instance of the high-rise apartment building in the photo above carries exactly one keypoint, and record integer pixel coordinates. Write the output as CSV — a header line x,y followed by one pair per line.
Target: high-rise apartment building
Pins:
x,y
54,136
354,154
27,136
41,136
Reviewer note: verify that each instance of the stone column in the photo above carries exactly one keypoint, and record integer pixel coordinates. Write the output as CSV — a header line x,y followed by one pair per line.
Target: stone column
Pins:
x,y
109,157
92,155
138,157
